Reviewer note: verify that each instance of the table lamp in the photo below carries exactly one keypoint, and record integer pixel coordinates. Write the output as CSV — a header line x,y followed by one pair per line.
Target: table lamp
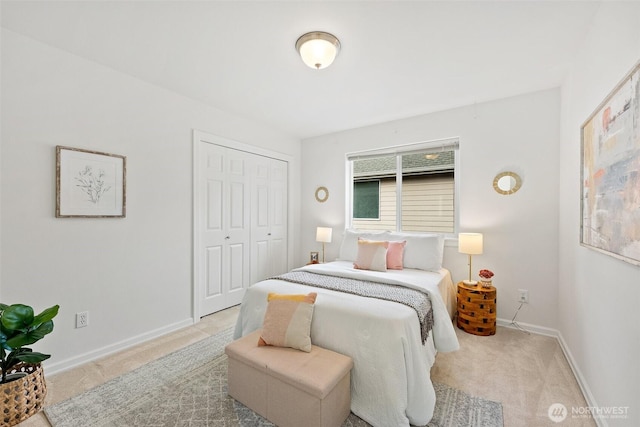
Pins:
x,y
323,234
470,244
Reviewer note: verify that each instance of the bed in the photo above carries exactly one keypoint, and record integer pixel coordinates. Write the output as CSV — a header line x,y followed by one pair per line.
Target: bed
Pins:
x,y
390,383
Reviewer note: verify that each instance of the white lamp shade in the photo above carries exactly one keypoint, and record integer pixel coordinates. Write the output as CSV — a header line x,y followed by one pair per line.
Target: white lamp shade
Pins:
x,y
318,49
323,234
470,243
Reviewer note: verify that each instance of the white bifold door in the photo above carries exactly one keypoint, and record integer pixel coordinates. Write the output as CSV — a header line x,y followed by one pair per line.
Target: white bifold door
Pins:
x,y
269,220
241,223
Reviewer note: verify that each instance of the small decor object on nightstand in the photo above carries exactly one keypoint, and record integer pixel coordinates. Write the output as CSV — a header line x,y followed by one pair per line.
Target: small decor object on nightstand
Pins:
x,y
485,278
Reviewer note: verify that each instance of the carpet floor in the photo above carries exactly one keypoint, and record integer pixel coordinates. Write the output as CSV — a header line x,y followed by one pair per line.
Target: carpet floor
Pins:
x,y
189,388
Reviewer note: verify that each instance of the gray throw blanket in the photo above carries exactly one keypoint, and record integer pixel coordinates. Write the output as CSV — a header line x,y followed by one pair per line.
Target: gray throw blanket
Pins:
x,y
417,300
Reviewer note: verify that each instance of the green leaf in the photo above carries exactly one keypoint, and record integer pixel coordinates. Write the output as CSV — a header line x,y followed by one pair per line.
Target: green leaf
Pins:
x,y
3,306
46,315
4,330
32,357
20,340
30,337
12,359
42,330
17,316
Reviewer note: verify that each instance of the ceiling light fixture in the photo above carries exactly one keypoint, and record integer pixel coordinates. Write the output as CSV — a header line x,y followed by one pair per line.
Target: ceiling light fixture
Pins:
x,y
318,49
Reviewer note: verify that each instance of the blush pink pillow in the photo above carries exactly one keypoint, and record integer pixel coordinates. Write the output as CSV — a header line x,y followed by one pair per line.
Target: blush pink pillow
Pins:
x,y
395,254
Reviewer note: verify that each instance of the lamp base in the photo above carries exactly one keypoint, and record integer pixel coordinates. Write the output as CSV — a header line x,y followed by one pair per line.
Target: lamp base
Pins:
x,y
470,282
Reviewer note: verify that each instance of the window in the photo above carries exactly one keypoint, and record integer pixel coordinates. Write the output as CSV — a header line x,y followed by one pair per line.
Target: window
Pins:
x,y
366,199
412,189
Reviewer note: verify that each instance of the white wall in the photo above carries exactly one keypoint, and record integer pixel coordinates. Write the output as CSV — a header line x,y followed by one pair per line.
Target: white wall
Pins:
x,y
133,275
598,295
520,231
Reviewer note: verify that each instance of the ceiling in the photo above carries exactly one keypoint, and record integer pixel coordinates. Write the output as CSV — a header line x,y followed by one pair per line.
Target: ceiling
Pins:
x,y
398,59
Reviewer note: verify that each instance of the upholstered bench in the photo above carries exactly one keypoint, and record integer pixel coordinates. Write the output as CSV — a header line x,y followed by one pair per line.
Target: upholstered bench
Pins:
x,y
290,387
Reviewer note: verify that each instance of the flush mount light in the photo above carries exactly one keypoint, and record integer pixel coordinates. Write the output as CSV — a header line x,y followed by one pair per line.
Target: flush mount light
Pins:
x,y
318,49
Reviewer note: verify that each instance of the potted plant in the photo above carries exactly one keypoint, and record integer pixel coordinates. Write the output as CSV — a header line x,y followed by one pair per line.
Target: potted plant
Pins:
x,y
22,376
485,278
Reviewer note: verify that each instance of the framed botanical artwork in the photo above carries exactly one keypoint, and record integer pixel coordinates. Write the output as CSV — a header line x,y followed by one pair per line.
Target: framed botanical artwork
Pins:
x,y
610,173
90,184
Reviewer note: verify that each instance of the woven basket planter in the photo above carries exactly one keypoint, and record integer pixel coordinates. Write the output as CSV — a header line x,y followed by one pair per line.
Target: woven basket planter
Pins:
x,y
22,397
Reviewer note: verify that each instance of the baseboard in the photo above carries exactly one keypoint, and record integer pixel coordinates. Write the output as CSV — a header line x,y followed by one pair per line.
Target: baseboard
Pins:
x,y
73,362
550,332
582,382
540,330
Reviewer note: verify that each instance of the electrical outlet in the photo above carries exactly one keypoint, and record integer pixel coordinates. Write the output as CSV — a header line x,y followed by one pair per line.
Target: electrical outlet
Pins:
x,y
523,296
82,319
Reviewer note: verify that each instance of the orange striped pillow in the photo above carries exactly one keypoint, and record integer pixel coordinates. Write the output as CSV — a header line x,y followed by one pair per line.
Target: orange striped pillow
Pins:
x,y
287,321
372,255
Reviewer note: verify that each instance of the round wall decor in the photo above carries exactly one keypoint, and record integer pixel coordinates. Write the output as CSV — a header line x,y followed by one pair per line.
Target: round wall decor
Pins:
x,y
322,194
507,183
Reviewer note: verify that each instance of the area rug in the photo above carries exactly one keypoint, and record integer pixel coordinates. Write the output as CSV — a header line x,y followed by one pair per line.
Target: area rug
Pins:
x,y
189,388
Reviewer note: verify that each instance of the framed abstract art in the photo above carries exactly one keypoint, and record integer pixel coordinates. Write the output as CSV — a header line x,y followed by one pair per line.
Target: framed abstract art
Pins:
x,y
610,173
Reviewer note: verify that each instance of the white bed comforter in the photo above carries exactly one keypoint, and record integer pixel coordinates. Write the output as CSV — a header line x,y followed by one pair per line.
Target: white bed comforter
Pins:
x,y
390,380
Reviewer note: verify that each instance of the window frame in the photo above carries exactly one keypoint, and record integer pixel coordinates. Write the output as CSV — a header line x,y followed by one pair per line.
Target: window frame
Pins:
x,y
434,146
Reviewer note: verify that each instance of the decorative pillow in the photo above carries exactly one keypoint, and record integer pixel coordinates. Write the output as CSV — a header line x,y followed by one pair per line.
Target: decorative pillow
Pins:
x,y
422,251
372,255
349,245
395,255
287,321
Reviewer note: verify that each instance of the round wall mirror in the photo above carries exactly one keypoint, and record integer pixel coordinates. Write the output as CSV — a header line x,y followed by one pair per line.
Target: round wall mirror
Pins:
x,y
322,194
507,183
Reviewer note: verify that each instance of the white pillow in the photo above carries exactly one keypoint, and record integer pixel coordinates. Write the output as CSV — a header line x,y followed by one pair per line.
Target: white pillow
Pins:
x,y
349,245
422,251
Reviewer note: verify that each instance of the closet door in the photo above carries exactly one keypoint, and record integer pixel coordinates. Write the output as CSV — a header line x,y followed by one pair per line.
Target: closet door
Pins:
x,y
240,220
269,219
224,230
